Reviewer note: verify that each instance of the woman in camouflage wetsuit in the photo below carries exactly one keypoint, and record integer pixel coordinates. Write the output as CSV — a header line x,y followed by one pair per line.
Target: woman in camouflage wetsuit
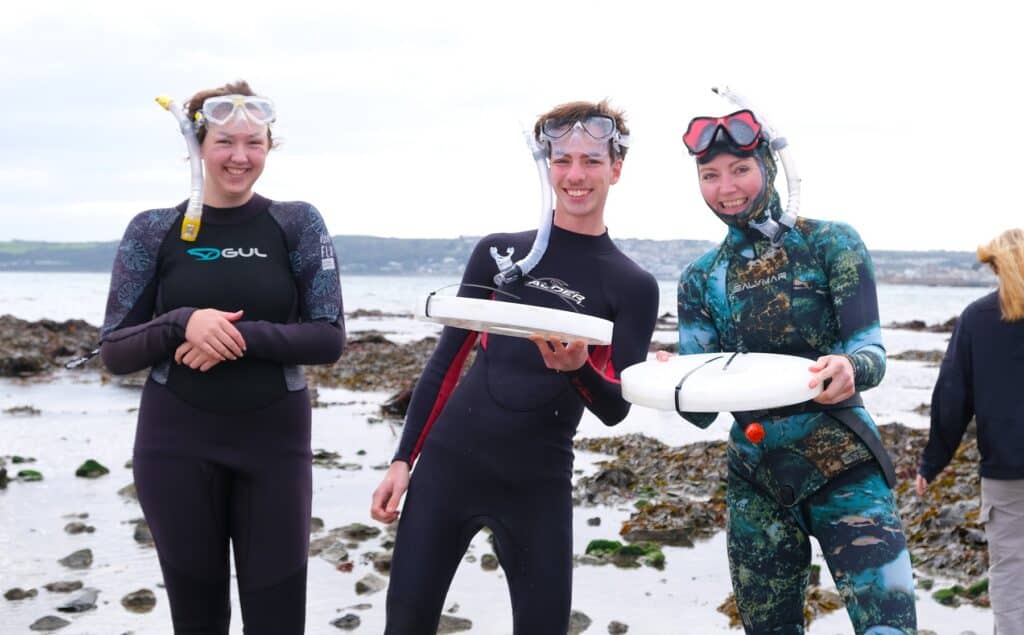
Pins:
x,y
799,287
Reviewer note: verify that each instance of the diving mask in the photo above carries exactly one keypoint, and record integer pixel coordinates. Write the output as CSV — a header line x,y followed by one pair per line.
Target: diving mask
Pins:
x,y
590,135
222,109
741,127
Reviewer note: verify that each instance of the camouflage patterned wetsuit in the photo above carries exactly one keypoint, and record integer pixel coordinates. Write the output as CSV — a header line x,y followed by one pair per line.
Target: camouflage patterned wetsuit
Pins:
x,y
812,474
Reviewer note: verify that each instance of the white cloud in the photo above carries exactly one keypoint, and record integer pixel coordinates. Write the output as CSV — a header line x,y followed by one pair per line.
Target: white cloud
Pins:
x,y
12,178
399,118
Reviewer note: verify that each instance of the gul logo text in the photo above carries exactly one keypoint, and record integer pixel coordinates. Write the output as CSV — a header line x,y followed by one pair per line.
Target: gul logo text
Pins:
x,y
205,254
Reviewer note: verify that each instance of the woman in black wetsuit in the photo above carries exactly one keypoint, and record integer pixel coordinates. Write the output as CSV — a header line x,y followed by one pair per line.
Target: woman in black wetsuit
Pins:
x,y
222,449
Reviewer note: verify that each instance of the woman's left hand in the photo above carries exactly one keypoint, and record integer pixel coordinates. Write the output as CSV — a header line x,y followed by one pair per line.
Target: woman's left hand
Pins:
x,y
559,356
194,358
837,371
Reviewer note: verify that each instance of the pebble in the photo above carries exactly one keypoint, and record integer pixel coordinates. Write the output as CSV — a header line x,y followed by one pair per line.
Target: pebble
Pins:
x,y
17,593
81,559
48,623
84,601
578,622
347,622
63,587
79,528
451,624
370,584
356,531
141,601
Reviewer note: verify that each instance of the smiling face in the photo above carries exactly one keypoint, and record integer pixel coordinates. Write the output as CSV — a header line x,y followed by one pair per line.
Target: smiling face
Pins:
x,y
582,171
234,155
729,184
581,182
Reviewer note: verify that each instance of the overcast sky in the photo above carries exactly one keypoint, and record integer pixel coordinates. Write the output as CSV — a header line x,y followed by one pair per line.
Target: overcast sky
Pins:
x,y
402,119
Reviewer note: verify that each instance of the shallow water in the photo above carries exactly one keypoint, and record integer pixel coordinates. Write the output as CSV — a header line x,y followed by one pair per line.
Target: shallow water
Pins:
x,y
83,419
63,296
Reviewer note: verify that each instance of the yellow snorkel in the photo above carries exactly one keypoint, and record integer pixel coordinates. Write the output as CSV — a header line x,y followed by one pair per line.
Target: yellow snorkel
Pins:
x,y
194,212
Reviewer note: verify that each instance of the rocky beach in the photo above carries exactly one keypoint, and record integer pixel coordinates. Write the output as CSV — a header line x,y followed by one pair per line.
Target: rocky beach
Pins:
x,y
649,495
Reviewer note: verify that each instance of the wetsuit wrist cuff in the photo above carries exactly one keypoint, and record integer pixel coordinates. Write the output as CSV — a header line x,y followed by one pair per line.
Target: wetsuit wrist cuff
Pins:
x,y
581,371
180,317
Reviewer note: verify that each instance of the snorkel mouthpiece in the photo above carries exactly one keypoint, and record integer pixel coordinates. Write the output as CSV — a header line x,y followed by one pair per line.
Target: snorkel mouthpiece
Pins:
x,y
509,271
194,212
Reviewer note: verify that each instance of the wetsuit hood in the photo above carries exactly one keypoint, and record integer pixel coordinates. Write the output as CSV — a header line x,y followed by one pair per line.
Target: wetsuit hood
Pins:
x,y
767,202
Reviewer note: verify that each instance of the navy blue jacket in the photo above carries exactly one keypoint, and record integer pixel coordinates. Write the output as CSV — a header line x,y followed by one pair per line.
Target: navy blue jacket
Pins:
x,y
982,376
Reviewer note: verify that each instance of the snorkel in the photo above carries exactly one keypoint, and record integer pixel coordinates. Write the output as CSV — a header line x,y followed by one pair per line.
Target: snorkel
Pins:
x,y
774,230
595,135
194,212
508,271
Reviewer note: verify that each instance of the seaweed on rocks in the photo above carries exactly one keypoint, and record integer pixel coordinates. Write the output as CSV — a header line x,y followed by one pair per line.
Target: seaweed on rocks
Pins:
x,y
643,466
944,532
685,487
920,325
817,603
676,524
374,363
32,348
933,358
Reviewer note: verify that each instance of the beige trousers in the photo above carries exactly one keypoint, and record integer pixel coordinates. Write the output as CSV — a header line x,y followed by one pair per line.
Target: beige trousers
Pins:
x,y
1002,511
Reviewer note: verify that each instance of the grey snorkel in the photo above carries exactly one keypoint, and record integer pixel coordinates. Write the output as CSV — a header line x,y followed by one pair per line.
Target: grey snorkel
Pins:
x,y
774,230
508,271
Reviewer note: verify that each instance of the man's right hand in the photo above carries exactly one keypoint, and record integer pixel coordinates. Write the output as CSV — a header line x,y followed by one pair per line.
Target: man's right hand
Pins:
x,y
384,506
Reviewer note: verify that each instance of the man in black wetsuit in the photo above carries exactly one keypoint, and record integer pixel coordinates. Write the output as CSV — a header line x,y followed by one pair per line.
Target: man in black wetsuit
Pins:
x,y
495,450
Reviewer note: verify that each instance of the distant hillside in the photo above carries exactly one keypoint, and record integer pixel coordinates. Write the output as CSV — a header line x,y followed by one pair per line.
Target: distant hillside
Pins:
x,y
445,256
25,255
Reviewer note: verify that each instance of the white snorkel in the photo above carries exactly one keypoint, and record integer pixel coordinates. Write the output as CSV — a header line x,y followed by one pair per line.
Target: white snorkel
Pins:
x,y
775,231
509,271
595,136
194,212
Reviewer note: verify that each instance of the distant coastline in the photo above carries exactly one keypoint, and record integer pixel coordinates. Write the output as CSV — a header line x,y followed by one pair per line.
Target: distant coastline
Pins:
x,y
373,255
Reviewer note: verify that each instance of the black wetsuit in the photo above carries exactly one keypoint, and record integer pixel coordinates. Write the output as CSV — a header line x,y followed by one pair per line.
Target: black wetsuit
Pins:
x,y
496,450
225,454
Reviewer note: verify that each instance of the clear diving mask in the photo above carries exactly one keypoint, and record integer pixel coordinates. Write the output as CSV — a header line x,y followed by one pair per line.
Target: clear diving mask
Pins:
x,y
222,109
590,135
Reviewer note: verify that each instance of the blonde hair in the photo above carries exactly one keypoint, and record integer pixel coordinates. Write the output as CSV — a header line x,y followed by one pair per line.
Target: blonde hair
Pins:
x,y
1005,254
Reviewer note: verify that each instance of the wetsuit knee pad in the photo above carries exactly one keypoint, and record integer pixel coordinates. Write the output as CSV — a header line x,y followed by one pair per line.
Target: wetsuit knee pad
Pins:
x,y
277,609
198,606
